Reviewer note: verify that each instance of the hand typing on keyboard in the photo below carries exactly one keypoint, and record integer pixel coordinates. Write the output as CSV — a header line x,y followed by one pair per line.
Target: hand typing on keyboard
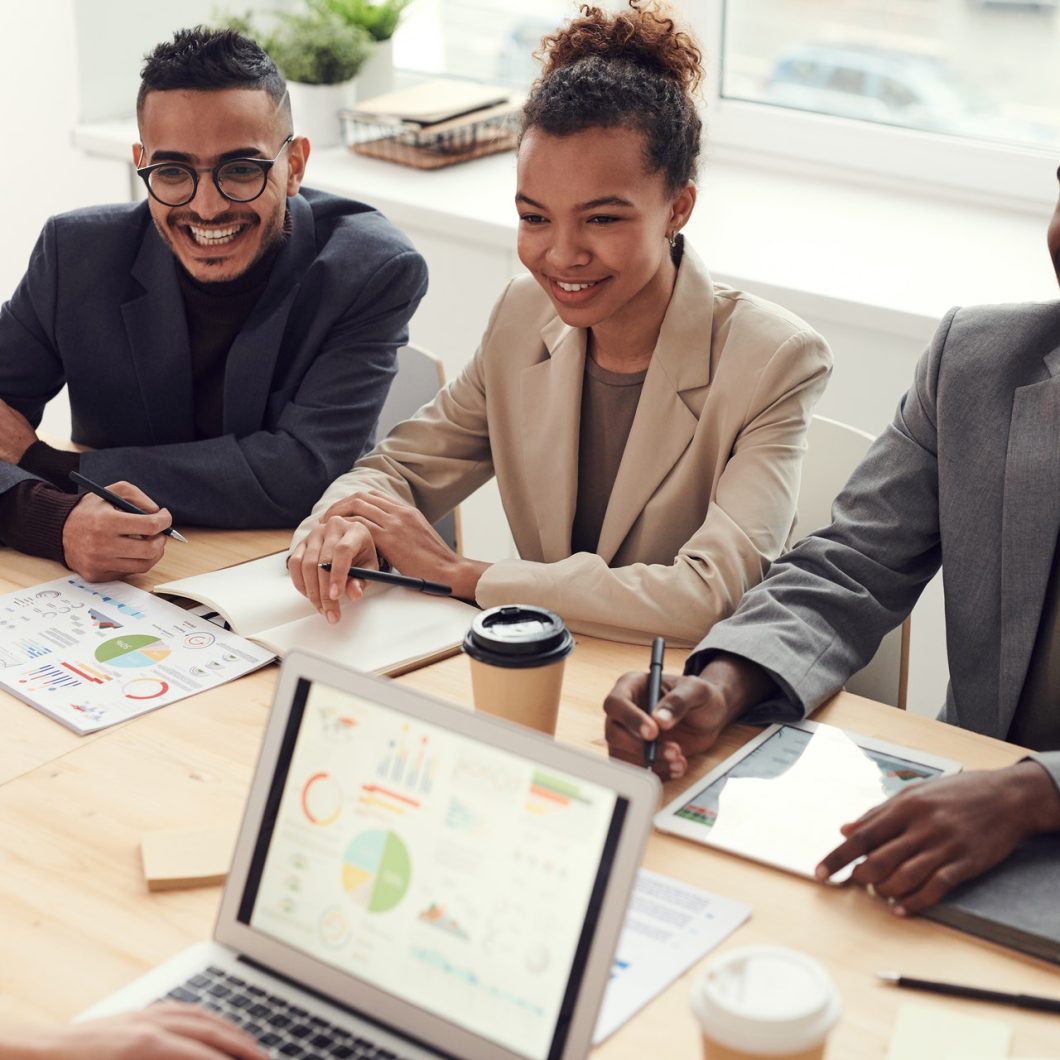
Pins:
x,y
162,1032
286,1030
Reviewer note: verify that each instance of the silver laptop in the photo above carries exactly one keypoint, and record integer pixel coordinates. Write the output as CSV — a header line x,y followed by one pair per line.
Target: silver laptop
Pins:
x,y
414,880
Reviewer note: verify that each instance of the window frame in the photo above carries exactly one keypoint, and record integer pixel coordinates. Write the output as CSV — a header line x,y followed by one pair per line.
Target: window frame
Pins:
x,y
998,175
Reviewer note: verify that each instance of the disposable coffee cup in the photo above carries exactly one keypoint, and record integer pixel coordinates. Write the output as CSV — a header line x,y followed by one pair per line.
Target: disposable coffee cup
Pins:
x,y
517,653
765,1001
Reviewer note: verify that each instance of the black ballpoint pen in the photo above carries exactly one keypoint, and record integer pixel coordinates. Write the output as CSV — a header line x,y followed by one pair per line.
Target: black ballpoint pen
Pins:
x,y
975,993
658,649
119,502
387,577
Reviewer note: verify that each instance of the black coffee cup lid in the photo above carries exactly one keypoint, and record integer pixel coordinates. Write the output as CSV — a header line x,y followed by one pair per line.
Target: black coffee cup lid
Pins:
x,y
518,636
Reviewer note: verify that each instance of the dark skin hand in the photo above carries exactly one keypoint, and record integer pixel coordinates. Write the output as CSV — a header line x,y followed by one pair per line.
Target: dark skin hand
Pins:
x,y
919,845
690,715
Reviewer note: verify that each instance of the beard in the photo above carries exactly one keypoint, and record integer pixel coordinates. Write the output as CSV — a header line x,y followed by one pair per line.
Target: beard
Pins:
x,y
171,229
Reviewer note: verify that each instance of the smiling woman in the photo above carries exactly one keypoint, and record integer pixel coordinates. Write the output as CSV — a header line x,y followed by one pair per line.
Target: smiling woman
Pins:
x,y
646,425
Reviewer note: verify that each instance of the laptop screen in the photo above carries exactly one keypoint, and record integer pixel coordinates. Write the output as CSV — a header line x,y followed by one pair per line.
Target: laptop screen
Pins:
x,y
459,877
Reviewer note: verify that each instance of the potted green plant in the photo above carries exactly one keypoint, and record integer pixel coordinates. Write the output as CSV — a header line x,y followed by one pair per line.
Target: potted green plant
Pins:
x,y
319,55
379,18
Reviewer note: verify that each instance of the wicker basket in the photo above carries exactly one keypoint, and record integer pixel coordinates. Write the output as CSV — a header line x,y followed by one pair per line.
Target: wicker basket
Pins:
x,y
483,132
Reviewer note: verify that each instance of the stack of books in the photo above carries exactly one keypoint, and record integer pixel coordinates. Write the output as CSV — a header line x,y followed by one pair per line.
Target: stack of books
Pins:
x,y
434,124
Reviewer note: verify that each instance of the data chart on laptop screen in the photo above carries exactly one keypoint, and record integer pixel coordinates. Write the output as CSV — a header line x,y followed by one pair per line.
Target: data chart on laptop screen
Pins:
x,y
446,872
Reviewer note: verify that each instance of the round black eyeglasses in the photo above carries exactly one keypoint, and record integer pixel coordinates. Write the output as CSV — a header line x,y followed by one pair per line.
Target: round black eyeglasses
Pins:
x,y
238,179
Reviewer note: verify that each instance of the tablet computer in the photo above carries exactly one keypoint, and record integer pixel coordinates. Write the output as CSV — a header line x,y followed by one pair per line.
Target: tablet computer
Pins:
x,y
782,797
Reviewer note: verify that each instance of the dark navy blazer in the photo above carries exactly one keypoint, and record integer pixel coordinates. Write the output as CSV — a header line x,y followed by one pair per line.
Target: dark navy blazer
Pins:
x,y
100,309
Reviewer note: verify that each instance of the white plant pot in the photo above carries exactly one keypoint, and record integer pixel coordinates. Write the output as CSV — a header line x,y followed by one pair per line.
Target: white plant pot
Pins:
x,y
315,111
376,77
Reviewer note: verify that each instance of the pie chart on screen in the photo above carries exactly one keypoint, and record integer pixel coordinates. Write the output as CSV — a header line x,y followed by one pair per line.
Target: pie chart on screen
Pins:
x,y
375,870
132,651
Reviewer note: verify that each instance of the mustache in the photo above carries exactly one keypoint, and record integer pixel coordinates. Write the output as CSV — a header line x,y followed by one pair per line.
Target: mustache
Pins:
x,y
229,217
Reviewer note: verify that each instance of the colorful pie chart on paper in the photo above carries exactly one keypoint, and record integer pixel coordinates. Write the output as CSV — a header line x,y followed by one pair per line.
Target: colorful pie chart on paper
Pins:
x,y
376,870
132,652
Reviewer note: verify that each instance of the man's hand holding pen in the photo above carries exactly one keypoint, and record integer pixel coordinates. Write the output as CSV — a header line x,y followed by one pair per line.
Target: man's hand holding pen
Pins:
x,y
689,716
101,543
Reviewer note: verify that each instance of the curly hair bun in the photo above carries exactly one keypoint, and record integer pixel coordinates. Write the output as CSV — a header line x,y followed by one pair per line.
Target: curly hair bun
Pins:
x,y
644,36
631,70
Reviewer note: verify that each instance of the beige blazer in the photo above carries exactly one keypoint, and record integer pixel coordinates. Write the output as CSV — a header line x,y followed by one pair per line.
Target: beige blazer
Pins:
x,y
706,490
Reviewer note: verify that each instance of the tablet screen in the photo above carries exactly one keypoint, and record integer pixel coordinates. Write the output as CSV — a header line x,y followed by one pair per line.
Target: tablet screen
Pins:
x,y
778,754
784,800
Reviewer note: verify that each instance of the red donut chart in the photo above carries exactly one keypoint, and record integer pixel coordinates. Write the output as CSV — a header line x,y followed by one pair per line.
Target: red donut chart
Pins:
x,y
321,799
145,688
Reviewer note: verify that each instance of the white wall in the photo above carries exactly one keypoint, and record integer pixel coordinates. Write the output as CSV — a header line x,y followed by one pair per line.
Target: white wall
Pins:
x,y
38,82
114,35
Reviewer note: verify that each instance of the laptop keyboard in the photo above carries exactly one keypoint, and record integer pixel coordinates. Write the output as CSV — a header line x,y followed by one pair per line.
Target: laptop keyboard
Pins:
x,y
282,1028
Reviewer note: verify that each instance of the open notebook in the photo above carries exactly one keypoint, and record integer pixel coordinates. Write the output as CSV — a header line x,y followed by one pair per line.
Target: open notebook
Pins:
x,y
391,630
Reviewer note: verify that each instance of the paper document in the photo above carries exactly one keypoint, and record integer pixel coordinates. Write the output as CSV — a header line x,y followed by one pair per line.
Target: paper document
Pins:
x,y
669,926
92,654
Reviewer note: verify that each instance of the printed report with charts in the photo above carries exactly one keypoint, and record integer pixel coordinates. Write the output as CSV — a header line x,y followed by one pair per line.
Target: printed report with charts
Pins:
x,y
389,631
91,655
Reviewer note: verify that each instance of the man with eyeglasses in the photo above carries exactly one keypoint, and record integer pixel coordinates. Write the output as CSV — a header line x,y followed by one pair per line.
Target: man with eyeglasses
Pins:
x,y
227,345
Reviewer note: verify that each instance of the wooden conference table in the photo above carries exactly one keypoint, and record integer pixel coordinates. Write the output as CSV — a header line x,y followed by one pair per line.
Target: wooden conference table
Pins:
x,y
76,919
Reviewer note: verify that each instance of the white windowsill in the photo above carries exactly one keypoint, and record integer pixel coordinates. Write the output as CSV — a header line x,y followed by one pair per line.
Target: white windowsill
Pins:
x,y
888,260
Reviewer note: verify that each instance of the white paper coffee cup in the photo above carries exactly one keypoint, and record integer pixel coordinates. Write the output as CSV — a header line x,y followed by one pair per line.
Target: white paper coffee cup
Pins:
x,y
765,1001
517,654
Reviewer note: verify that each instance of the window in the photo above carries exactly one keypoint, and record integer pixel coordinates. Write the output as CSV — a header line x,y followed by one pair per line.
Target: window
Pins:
x,y
959,96
956,96
482,40
960,67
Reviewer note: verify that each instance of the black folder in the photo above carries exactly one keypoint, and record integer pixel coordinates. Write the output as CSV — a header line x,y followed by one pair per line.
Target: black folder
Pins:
x,y
1016,904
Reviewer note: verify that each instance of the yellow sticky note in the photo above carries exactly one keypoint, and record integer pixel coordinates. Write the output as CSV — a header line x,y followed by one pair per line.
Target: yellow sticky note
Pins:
x,y
187,857
934,1032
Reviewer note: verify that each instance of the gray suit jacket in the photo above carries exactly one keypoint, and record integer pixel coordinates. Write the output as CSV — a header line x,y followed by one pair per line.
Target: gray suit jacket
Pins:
x,y
100,310
967,475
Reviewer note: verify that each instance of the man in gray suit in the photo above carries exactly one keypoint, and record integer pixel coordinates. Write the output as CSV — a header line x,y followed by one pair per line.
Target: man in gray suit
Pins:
x,y
967,477
227,344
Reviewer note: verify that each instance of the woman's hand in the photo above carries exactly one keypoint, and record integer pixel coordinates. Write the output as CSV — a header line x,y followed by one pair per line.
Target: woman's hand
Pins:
x,y
343,543
402,534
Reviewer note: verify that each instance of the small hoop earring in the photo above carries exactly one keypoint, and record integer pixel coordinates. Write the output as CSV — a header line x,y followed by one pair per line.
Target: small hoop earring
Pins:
x,y
672,239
